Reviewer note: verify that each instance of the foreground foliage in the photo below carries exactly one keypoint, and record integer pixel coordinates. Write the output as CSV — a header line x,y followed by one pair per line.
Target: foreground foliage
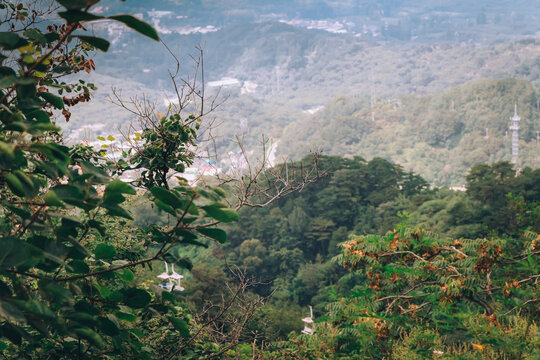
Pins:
x,y
429,297
67,285
488,234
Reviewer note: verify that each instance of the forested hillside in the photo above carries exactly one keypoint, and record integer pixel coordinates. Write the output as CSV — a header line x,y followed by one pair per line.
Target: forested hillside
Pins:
x,y
284,74
321,63
291,247
439,136
126,236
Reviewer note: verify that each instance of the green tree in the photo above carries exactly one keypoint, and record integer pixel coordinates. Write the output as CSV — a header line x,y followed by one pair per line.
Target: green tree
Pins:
x,y
427,296
490,185
67,288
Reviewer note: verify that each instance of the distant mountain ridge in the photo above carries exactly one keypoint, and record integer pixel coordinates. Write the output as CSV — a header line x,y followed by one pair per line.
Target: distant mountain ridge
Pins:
x,y
292,71
379,20
318,63
438,136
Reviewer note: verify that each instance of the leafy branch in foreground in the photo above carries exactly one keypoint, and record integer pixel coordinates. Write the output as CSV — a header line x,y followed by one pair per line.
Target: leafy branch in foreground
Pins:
x,y
430,297
67,290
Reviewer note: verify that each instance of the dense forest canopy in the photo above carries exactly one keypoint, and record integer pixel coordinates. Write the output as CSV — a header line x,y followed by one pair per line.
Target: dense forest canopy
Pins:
x,y
439,136
110,250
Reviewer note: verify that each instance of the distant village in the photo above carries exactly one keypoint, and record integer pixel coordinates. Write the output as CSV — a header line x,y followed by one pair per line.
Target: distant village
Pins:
x,y
380,26
231,163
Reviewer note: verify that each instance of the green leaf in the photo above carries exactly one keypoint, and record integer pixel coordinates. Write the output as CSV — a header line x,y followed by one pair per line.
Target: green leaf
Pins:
x,y
35,35
7,81
86,307
187,237
166,196
115,210
54,100
119,186
90,335
184,234
195,242
15,126
31,189
5,291
116,296
38,309
52,151
99,176
79,251
14,184
97,42
40,116
168,296
108,327
126,316
113,198
72,223
26,93
137,332
6,151
73,16
72,4
218,212
137,25
158,235
126,275
51,37
181,326
98,226
83,316
137,298
20,212
164,207
10,312
11,41
216,234
75,289
52,257
55,291
104,291
41,127
209,195
532,263
78,267
15,252
39,326
105,252
69,194
220,192
13,333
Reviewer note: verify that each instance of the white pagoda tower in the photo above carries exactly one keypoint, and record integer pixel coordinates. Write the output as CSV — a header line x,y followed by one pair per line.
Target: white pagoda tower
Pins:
x,y
515,135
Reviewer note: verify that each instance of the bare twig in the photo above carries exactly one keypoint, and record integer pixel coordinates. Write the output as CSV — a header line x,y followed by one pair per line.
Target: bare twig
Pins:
x,y
226,322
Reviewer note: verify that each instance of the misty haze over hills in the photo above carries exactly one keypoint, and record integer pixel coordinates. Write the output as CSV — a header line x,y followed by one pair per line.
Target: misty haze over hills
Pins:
x,y
377,19
282,63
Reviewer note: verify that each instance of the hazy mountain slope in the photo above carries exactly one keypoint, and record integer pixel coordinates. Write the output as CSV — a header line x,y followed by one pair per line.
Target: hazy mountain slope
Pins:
x,y
439,136
297,70
101,116
317,64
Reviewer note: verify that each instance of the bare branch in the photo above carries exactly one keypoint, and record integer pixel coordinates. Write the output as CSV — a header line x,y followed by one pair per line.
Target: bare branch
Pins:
x,y
225,323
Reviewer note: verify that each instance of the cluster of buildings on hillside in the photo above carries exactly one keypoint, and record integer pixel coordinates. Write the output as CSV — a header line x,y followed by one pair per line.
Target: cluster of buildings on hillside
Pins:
x,y
375,23
230,163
